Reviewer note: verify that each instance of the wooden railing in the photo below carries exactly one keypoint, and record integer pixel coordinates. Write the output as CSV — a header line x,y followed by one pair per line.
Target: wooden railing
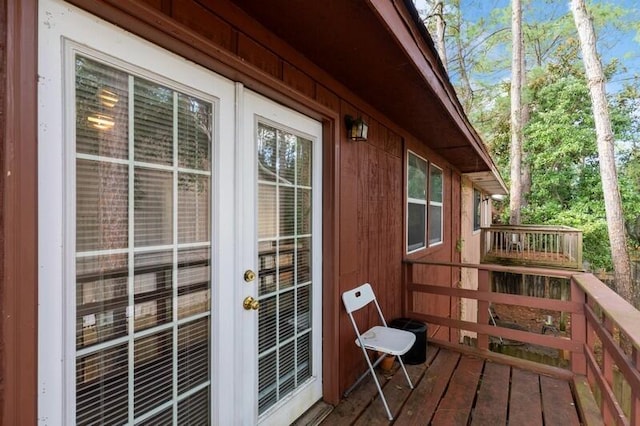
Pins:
x,y
532,245
602,339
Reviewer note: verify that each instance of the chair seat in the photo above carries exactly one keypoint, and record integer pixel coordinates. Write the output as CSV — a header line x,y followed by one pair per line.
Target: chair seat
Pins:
x,y
389,340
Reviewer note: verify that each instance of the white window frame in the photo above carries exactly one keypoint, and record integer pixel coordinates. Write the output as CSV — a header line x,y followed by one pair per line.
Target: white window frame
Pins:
x,y
424,202
439,204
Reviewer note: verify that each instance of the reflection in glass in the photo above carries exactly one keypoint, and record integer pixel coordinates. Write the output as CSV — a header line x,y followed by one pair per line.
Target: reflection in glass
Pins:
x,y
284,258
134,266
153,122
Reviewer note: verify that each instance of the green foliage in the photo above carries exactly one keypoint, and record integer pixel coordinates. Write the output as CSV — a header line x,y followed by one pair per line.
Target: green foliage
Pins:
x,y
560,141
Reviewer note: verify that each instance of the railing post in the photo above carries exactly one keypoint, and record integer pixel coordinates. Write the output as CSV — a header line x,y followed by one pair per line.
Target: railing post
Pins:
x,y
484,284
578,330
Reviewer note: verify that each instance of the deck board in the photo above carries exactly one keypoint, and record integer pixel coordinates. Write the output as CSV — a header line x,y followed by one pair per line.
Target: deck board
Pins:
x,y
453,388
493,396
524,404
558,407
424,400
455,407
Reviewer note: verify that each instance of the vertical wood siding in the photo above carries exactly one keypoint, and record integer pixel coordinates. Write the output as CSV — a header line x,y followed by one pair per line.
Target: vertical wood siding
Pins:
x,y
369,193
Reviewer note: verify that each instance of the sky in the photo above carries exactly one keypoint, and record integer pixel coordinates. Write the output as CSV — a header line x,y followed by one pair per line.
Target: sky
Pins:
x,y
625,46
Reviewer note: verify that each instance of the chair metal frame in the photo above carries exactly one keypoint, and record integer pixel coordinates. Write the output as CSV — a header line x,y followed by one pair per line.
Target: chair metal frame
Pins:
x,y
383,339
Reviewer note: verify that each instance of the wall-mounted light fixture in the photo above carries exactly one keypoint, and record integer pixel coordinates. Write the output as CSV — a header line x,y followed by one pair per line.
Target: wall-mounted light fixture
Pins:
x,y
357,129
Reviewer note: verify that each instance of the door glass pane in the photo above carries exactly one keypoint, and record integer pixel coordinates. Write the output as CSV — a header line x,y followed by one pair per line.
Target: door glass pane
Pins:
x,y
102,110
143,250
102,205
193,208
284,259
153,122
153,207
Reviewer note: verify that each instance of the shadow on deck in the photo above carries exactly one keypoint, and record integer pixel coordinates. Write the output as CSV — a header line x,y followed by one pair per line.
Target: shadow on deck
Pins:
x,y
459,389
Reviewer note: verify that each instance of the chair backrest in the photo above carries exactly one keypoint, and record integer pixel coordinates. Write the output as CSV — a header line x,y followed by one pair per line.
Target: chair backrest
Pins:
x,y
358,298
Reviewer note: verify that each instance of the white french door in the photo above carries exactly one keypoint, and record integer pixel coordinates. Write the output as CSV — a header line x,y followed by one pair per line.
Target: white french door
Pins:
x,y
281,241
160,185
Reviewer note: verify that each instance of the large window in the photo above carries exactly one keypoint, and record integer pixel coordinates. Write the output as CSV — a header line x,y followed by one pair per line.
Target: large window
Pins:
x,y
143,250
424,203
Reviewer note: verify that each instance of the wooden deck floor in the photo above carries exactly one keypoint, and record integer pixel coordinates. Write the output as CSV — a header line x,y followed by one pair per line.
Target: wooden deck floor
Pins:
x,y
455,389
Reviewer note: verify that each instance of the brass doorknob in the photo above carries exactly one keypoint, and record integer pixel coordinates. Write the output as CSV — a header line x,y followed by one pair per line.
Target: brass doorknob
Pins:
x,y
250,303
249,275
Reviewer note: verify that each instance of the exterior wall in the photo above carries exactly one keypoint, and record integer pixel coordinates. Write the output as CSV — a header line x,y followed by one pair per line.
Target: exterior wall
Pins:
x,y
370,194
470,254
364,181
471,249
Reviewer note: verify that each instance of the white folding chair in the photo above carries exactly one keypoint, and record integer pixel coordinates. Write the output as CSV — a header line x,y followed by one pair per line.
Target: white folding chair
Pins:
x,y
385,340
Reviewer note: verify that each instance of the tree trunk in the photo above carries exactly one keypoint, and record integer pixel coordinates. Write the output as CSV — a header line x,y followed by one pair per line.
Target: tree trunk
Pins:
x,y
516,113
604,134
440,27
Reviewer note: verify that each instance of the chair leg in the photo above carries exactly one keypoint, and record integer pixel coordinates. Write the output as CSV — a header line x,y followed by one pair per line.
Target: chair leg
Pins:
x,y
362,376
375,379
384,400
405,372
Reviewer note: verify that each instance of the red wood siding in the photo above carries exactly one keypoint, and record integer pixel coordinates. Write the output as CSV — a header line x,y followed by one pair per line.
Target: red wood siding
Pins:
x,y
18,213
364,209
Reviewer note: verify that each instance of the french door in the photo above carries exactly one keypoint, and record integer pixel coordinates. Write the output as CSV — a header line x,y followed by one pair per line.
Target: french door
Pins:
x,y
281,216
180,249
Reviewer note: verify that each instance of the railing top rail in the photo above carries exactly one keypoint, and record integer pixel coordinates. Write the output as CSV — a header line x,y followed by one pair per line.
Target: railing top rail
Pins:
x,y
532,228
556,273
618,310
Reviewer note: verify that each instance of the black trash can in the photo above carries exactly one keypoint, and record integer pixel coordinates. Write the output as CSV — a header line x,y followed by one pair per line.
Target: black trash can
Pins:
x,y
418,352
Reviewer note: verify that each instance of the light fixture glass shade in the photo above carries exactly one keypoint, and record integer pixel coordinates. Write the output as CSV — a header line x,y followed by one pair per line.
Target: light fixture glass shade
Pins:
x,y
357,128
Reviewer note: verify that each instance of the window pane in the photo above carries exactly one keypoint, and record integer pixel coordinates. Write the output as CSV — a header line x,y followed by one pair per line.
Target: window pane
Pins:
x,y
287,211
153,289
304,211
193,208
153,372
416,227
153,207
102,299
268,211
193,354
194,282
476,209
267,153
102,387
194,133
436,185
417,178
153,122
435,224
195,409
101,109
102,206
303,161
287,160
